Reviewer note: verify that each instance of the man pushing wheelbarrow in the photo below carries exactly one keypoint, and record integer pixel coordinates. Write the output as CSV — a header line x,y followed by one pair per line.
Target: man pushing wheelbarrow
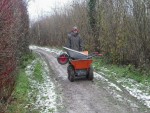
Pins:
x,y
80,62
74,40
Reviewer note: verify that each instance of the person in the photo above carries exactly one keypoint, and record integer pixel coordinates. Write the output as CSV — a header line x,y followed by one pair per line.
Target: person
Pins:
x,y
74,40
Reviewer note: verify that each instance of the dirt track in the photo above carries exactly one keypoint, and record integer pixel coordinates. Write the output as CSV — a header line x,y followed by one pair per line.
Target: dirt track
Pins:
x,y
83,96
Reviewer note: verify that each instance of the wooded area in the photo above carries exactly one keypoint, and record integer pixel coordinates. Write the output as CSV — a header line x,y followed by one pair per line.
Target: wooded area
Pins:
x,y
119,28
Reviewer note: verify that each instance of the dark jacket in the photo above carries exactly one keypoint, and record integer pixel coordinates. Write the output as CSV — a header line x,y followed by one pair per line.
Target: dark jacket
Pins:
x,y
75,42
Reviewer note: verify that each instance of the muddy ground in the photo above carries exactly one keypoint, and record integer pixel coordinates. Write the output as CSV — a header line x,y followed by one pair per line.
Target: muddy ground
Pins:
x,y
84,96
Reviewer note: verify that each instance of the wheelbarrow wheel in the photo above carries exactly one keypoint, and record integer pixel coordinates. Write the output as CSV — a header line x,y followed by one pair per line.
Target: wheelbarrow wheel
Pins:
x,y
90,75
71,73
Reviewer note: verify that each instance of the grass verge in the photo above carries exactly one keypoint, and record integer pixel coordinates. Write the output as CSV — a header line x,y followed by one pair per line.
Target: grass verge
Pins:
x,y
116,72
19,99
20,95
38,72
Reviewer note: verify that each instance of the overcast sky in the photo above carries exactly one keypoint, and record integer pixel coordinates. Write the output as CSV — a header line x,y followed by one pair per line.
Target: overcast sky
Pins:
x,y
43,7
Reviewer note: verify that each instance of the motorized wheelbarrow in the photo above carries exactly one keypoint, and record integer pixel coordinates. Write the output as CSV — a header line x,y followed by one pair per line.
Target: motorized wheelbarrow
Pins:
x,y
80,63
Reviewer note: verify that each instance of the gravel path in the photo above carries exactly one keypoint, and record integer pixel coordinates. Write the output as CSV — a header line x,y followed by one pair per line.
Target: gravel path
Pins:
x,y
83,96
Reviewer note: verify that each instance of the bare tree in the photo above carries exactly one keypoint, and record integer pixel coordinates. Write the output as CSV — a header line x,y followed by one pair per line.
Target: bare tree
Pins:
x,y
120,28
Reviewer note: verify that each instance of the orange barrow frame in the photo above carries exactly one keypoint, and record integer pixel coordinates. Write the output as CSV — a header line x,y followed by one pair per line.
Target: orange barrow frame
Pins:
x,y
81,64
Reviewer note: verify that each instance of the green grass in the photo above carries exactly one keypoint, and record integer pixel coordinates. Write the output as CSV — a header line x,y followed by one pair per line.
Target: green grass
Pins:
x,y
38,72
127,71
22,87
20,94
20,103
25,60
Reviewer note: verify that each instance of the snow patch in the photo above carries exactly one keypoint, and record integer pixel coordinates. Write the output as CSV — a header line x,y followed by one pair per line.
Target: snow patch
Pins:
x,y
98,76
32,47
45,97
135,89
113,89
53,50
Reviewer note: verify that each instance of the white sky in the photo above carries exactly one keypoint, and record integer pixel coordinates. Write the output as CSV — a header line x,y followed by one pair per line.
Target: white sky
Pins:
x,y
38,8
